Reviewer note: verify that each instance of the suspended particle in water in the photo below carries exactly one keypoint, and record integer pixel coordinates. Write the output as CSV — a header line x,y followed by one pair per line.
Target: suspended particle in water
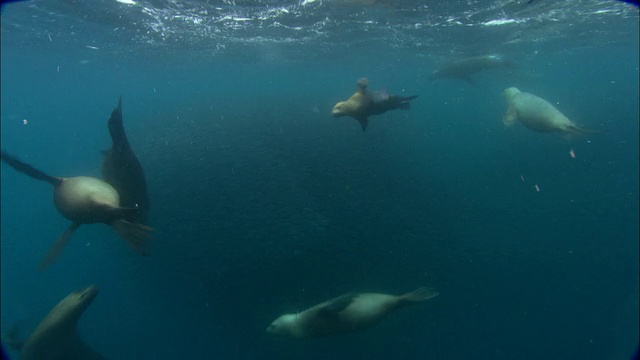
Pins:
x,y
25,122
537,187
522,178
572,153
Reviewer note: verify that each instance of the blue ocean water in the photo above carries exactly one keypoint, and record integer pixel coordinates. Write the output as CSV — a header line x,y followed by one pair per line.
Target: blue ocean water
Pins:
x,y
264,204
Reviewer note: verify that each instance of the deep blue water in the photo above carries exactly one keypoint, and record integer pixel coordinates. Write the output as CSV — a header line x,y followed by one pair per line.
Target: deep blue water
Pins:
x,y
263,204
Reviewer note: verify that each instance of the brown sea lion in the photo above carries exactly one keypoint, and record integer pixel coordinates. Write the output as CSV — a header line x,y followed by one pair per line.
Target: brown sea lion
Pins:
x,y
347,313
87,200
122,169
56,337
463,69
538,114
364,103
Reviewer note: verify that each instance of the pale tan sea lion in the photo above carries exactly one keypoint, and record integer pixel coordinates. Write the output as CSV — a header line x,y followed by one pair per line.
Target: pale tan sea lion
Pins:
x,y
538,114
347,313
56,337
87,200
364,103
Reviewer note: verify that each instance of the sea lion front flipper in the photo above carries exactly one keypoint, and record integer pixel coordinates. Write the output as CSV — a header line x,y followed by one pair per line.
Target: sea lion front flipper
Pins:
x,y
29,170
116,127
57,247
135,234
334,306
510,116
364,122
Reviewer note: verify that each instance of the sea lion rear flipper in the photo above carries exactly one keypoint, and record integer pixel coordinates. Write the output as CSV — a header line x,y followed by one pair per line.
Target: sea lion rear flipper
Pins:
x,y
57,247
135,234
405,102
420,294
334,306
29,170
364,122
129,214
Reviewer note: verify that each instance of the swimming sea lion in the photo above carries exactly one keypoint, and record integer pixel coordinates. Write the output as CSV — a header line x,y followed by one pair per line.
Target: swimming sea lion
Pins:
x,y
538,114
463,69
347,313
87,200
363,104
122,169
56,337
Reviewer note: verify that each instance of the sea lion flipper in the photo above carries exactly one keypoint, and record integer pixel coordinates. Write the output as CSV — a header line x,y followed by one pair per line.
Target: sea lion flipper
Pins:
x,y
135,234
510,116
420,294
57,247
28,169
334,306
116,127
364,122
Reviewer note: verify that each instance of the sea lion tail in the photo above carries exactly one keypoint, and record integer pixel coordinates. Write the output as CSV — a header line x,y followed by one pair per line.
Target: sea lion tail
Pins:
x,y
420,294
135,234
28,169
57,247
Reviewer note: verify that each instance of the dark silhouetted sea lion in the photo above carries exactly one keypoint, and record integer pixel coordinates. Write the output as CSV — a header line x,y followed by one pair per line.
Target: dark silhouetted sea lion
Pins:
x,y
364,103
538,114
56,337
347,313
122,169
87,200
463,69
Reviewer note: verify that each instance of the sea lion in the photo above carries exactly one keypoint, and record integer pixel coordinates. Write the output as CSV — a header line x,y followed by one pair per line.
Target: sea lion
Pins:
x,y
363,104
122,169
347,313
538,114
56,337
87,200
463,69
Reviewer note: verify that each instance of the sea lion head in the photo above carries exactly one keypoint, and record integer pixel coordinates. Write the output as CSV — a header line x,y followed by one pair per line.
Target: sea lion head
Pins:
x,y
284,325
74,305
339,109
509,93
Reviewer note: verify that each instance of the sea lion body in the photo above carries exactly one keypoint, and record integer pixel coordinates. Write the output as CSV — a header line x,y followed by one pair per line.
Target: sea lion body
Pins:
x,y
537,114
364,103
464,69
86,200
347,313
56,337
122,169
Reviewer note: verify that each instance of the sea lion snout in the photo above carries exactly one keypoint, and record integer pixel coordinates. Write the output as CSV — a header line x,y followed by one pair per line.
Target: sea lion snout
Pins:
x,y
337,109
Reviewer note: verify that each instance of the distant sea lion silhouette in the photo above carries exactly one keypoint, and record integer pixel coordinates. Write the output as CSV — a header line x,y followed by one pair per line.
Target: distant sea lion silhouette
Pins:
x,y
87,200
463,69
538,114
56,337
122,169
363,104
347,313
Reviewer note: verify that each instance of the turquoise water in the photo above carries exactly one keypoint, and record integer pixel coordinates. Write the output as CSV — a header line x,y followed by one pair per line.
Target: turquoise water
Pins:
x,y
264,204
